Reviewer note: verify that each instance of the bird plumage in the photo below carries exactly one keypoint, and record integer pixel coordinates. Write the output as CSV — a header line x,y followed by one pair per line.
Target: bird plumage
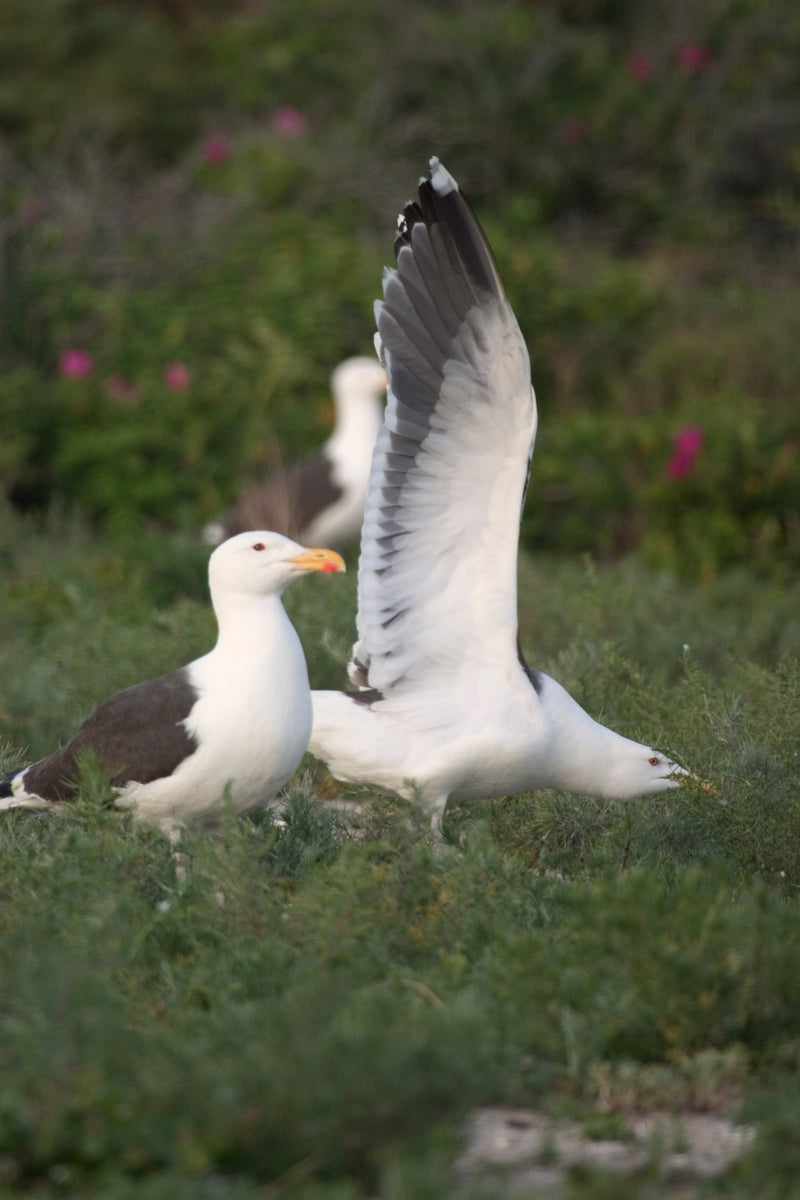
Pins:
x,y
230,727
320,499
447,706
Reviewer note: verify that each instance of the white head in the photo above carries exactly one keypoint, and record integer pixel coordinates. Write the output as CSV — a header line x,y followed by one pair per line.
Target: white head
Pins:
x,y
633,769
358,382
588,758
261,563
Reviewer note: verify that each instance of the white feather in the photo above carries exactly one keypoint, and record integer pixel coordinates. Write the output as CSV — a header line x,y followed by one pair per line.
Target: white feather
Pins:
x,y
448,708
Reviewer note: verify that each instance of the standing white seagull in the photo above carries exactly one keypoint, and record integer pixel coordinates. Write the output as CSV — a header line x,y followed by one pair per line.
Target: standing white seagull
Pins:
x,y
320,499
230,727
446,704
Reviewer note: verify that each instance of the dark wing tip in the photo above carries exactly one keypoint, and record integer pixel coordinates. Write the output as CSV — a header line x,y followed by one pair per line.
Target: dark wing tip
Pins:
x,y
408,218
442,204
367,697
359,671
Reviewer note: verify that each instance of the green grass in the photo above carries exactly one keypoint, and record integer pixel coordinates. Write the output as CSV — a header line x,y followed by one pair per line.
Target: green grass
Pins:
x,y
294,1011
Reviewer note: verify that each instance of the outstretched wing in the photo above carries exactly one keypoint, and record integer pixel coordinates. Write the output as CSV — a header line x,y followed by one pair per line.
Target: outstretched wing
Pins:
x,y
437,573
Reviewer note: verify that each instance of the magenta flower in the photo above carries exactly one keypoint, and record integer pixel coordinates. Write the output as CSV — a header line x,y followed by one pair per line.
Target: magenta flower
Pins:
x,y
686,445
639,67
289,121
177,377
692,57
216,149
689,440
75,364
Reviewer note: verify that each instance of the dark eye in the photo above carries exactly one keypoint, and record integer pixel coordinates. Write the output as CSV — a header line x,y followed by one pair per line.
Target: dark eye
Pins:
x,y
259,546
654,760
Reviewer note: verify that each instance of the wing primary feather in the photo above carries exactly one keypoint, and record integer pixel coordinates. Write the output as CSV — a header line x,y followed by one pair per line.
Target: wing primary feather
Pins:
x,y
463,294
418,297
459,408
462,228
398,302
431,278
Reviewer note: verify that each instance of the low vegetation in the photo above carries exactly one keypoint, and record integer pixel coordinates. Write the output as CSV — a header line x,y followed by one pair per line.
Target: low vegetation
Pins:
x,y
311,1009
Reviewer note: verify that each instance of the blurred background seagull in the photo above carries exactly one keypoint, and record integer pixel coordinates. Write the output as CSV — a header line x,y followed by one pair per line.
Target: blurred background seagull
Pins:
x,y
229,728
320,499
447,705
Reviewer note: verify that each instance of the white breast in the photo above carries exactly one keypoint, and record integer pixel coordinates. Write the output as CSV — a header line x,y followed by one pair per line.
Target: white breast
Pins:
x,y
251,722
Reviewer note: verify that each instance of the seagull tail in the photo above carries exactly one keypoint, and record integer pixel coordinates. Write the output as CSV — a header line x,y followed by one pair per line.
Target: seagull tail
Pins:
x,y
18,797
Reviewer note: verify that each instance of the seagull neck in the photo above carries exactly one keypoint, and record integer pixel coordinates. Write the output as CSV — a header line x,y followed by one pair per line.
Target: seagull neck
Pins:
x,y
358,419
582,750
246,623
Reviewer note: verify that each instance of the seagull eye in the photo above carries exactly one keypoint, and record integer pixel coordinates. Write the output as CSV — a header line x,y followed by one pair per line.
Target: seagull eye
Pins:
x,y
259,546
654,760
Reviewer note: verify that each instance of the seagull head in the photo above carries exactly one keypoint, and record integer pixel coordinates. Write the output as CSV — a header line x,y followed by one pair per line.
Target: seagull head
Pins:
x,y
260,563
358,381
639,770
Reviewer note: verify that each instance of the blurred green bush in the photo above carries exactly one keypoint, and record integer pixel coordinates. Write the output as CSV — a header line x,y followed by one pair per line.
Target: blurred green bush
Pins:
x,y
213,185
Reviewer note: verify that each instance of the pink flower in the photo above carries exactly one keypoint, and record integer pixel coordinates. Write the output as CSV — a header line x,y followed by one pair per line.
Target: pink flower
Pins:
x,y
686,446
75,364
572,130
689,440
177,377
639,67
692,57
289,121
677,467
216,149
120,389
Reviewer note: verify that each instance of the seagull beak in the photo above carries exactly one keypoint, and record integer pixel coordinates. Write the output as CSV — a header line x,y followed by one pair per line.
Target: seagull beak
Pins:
x,y
684,778
319,560
704,785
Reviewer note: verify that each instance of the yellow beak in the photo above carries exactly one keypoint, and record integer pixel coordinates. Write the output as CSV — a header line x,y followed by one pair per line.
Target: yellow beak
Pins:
x,y
319,560
702,784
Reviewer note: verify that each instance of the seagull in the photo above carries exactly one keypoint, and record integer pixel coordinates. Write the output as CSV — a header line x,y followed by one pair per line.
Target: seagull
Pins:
x,y
229,728
321,499
446,704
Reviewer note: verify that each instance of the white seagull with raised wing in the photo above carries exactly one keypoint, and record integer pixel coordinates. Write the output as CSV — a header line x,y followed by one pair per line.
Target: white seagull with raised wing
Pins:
x,y
446,704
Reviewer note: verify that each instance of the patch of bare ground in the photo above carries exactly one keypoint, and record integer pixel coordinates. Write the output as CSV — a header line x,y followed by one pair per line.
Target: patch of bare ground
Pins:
x,y
533,1151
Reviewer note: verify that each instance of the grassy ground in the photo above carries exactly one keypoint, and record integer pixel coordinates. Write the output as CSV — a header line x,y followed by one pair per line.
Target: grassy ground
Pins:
x,y
301,1013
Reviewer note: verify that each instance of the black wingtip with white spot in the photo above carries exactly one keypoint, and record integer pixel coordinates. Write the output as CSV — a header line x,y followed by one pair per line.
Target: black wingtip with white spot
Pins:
x,y
441,179
441,205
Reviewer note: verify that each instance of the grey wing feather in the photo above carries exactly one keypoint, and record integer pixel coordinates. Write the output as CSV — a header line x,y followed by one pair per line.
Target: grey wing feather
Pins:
x,y
460,413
